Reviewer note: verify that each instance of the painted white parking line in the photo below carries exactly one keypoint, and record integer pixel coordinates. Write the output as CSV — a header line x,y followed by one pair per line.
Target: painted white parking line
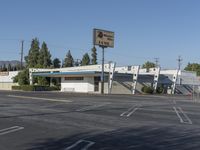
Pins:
x,y
130,111
182,115
92,107
10,130
185,115
87,144
181,120
39,98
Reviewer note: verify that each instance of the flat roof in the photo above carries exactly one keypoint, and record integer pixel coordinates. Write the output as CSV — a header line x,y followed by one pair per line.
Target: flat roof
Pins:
x,y
65,74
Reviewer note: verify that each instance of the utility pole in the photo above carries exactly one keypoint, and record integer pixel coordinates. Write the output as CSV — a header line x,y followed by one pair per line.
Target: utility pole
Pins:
x,y
22,54
156,61
179,62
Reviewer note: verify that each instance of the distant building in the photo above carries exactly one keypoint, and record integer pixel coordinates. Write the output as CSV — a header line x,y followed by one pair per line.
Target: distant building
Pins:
x,y
118,80
6,80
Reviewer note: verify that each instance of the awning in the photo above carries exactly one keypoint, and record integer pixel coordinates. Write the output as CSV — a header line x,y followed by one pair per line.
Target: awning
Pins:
x,y
68,74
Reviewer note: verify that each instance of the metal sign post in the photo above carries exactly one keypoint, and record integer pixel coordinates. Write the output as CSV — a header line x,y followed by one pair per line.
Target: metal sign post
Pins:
x,y
102,72
103,39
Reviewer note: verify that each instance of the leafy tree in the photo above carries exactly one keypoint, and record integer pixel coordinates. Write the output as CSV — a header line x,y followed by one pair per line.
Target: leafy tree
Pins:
x,y
44,57
148,65
94,56
69,61
42,81
193,67
9,67
33,55
56,63
85,59
4,68
22,78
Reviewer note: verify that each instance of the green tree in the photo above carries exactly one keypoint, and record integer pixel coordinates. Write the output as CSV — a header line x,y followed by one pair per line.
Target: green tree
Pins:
x,y
193,67
44,60
94,56
43,81
33,55
148,65
85,60
4,68
22,78
69,61
9,67
56,63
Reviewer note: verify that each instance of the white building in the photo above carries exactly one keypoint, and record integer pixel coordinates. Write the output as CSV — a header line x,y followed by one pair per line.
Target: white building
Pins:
x,y
6,80
118,80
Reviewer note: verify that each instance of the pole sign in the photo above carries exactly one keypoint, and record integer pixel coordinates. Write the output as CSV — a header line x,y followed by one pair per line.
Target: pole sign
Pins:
x,y
103,38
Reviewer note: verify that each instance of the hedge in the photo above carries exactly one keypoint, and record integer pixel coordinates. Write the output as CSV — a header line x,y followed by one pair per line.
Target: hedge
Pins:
x,y
35,88
147,89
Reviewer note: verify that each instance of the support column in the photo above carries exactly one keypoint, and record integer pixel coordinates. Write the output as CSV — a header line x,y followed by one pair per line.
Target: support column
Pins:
x,y
111,75
175,76
31,76
156,78
135,70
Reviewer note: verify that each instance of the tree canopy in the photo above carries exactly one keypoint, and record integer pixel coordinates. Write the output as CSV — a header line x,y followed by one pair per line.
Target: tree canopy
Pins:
x,y
193,67
94,56
56,63
33,55
44,57
69,61
85,59
148,65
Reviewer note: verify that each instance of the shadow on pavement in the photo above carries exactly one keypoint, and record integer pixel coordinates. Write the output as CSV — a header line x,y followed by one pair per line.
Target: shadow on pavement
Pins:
x,y
137,138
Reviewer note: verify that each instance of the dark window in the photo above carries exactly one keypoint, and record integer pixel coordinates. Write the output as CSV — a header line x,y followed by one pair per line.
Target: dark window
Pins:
x,y
74,78
129,68
96,83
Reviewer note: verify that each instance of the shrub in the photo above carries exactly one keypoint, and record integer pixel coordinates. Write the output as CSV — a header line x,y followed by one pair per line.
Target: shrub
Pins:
x,y
35,88
147,89
160,90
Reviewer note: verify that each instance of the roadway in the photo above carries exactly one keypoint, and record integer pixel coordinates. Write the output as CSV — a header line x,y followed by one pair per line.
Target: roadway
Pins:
x,y
61,121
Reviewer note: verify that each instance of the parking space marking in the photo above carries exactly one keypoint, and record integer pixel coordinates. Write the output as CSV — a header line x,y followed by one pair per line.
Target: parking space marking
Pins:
x,y
10,130
182,115
78,145
130,111
39,98
92,107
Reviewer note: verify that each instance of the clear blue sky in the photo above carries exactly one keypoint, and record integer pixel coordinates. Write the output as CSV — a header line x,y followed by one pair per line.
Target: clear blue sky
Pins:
x,y
144,29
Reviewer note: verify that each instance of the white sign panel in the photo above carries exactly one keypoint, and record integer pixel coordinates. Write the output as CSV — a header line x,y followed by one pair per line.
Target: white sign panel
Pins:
x,y
103,38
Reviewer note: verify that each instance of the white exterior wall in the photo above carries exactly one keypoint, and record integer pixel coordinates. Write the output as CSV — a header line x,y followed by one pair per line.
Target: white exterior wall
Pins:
x,y
82,86
6,81
8,78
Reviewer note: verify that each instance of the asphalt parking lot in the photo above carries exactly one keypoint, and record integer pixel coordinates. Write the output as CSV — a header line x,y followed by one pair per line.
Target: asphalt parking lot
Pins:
x,y
60,121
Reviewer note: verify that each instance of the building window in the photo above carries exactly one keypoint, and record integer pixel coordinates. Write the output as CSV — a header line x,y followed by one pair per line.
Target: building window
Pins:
x,y
74,78
96,83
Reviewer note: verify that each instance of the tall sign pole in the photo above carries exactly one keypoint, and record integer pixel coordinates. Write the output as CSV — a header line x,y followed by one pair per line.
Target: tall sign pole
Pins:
x,y
102,72
103,39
